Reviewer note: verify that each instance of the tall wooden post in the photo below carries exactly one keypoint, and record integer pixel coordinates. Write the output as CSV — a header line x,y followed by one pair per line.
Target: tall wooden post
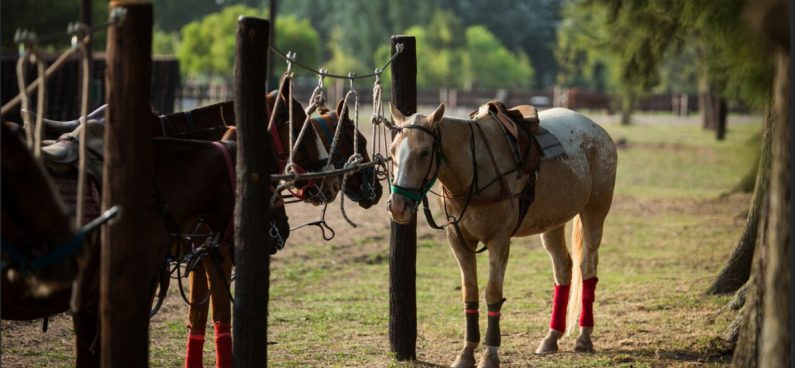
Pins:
x,y
252,209
127,266
403,238
273,8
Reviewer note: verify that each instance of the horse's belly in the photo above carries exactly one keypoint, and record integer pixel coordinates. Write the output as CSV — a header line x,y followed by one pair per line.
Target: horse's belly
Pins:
x,y
561,192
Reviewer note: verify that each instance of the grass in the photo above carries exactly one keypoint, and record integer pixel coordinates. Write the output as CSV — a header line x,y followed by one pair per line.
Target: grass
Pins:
x,y
668,233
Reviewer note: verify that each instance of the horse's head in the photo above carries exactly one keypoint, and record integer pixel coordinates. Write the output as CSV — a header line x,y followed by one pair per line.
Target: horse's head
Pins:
x,y
310,155
361,187
417,154
35,225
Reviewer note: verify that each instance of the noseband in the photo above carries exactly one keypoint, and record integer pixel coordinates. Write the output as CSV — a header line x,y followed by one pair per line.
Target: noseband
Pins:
x,y
417,194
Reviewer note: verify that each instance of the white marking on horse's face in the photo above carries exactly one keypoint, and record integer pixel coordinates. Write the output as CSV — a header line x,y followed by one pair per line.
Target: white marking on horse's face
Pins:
x,y
402,155
321,149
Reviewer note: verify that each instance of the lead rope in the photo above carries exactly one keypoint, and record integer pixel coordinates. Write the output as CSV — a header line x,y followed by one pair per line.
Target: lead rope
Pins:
x,y
28,51
81,35
356,157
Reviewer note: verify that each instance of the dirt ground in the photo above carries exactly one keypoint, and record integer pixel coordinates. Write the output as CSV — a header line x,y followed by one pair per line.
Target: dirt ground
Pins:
x,y
663,243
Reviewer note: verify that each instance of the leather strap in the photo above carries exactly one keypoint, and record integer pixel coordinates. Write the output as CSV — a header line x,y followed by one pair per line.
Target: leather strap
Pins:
x,y
230,167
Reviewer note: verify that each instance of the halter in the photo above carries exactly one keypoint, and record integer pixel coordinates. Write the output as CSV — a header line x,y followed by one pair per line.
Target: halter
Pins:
x,y
417,194
420,195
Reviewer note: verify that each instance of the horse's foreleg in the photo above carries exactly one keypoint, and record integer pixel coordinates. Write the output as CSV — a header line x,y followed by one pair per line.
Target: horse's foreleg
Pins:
x,y
197,316
592,222
498,261
469,291
221,264
555,243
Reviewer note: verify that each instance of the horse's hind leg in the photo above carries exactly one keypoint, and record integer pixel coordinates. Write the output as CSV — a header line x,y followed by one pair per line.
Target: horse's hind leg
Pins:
x,y
464,254
221,265
593,218
197,317
555,243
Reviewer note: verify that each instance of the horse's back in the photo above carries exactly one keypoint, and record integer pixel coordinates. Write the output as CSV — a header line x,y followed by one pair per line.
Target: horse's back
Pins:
x,y
584,175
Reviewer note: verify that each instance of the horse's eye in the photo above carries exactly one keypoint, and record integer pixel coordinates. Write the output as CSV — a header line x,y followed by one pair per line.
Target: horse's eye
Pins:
x,y
424,154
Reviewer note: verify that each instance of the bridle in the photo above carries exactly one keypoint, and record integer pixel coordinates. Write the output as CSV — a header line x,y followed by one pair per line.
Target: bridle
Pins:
x,y
421,194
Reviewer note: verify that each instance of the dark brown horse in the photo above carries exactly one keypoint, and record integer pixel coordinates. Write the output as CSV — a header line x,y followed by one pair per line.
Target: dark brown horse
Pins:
x,y
362,187
179,166
35,224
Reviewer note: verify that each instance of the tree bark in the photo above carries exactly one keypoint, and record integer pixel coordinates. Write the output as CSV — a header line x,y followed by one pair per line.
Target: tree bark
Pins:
x,y
764,338
738,268
775,348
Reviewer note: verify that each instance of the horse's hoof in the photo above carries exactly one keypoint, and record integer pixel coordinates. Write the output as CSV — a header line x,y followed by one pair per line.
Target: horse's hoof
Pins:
x,y
583,343
550,343
465,359
489,359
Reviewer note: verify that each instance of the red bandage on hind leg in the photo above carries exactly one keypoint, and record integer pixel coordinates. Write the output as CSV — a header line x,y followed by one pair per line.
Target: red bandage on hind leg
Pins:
x,y
588,296
223,345
559,303
193,355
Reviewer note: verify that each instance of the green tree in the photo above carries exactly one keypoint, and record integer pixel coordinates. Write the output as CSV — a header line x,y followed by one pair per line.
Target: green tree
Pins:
x,y
207,46
493,65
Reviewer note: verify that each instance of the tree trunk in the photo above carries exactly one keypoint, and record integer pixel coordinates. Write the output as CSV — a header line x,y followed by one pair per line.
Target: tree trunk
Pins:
x,y
764,339
737,270
775,349
706,104
721,112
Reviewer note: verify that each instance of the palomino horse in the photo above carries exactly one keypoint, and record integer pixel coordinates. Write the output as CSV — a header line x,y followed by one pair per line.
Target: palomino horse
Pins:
x,y
362,187
581,184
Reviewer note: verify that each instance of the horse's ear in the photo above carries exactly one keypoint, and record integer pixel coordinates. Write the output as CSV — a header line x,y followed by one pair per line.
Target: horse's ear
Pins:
x,y
396,114
340,106
436,115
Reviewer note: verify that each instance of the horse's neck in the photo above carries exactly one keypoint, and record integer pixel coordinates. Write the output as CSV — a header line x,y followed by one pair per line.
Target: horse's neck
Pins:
x,y
192,180
457,168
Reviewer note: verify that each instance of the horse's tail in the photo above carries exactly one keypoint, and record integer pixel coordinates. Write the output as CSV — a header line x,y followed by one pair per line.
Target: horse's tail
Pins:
x,y
575,298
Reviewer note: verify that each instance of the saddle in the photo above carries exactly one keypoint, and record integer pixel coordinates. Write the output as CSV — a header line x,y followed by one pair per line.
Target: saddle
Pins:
x,y
61,156
520,125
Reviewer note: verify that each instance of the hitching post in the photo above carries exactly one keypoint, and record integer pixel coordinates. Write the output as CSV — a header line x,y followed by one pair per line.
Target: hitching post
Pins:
x,y
403,238
127,265
252,202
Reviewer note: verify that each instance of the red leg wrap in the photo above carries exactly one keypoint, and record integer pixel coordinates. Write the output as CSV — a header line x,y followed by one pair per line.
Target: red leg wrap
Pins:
x,y
223,345
559,303
588,296
193,355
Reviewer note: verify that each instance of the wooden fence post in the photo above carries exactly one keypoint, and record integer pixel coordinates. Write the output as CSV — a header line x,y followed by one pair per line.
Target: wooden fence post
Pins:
x,y
127,266
403,238
252,205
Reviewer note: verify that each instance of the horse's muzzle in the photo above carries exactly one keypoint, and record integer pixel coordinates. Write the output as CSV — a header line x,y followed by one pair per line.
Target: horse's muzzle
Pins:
x,y
401,209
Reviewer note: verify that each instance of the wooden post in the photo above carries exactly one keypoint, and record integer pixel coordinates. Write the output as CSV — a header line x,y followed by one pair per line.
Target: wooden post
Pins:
x,y
252,209
127,266
273,8
403,238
